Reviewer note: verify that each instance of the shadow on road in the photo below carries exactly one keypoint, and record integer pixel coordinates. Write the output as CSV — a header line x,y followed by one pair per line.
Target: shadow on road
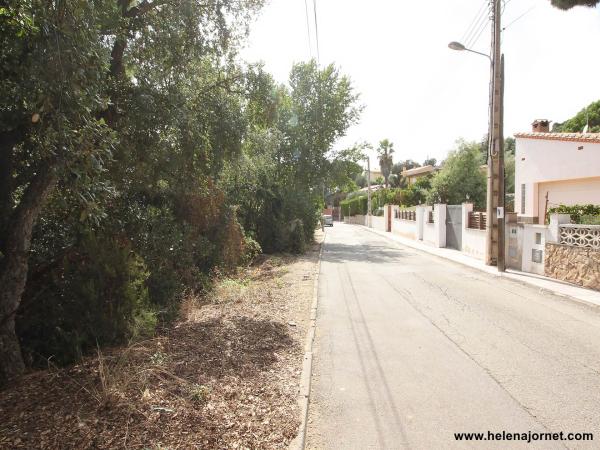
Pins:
x,y
373,253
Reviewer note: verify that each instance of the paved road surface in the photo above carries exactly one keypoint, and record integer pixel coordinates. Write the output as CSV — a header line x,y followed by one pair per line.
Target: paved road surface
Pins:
x,y
411,348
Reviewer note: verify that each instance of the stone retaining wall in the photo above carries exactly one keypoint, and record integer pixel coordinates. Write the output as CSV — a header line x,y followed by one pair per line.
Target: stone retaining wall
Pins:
x,y
576,265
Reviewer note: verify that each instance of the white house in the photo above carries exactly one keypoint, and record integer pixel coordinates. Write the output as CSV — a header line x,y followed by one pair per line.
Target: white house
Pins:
x,y
553,169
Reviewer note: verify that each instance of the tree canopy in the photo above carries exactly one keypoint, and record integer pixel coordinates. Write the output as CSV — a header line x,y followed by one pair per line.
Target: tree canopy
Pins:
x,y
386,161
590,115
460,178
568,4
138,155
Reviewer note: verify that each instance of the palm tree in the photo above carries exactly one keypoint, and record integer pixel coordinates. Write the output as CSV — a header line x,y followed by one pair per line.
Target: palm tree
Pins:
x,y
385,150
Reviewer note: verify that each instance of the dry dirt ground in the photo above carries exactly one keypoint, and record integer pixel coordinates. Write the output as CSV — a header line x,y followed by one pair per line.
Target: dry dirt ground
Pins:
x,y
225,376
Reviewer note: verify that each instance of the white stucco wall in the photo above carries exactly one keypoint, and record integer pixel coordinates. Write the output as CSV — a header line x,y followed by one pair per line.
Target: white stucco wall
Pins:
x,y
356,220
474,242
550,161
378,223
529,244
429,233
405,228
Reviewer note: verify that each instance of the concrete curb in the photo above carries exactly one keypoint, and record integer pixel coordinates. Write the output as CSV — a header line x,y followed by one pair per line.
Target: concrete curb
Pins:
x,y
304,393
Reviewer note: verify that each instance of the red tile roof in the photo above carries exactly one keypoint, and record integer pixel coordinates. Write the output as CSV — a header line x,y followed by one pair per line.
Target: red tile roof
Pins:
x,y
576,137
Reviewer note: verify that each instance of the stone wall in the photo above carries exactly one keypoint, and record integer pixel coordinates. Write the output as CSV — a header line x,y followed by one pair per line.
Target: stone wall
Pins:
x,y
576,265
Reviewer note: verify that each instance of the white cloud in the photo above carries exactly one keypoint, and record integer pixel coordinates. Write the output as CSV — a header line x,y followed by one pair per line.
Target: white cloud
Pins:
x,y
417,92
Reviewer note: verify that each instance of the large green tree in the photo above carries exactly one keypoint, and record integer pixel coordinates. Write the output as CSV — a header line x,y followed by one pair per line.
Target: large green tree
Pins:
x,y
124,105
287,164
461,177
52,65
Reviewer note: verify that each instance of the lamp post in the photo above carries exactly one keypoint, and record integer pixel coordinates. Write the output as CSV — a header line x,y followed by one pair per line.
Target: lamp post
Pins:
x,y
459,47
495,185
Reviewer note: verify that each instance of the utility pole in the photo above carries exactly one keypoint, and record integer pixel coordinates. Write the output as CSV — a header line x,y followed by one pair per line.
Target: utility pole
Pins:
x,y
368,191
495,187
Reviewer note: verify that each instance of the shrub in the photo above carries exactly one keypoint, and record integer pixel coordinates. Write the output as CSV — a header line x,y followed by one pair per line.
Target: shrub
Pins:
x,y
94,295
296,237
232,241
251,250
590,220
577,212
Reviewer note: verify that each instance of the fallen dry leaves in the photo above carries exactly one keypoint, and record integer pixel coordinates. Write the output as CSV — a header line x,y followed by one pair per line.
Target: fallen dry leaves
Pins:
x,y
225,376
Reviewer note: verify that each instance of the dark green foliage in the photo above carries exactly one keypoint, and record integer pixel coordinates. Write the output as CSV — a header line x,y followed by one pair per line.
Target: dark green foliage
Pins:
x,y
590,220
568,4
356,205
589,115
251,250
577,212
461,178
400,181
171,160
94,294
386,162
297,237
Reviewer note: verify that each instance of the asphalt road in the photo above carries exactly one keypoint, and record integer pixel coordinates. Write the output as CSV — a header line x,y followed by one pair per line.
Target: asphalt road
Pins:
x,y
411,348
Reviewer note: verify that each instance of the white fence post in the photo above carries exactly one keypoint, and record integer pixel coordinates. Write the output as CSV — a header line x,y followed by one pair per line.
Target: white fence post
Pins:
x,y
555,221
439,219
420,218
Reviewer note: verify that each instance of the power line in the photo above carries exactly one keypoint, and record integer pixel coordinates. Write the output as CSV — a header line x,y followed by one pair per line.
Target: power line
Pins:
x,y
481,27
520,17
476,37
308,29
316,31
478,29
475,21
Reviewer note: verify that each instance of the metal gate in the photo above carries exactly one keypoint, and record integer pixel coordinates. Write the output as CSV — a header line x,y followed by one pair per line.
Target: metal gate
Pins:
x,y
454,226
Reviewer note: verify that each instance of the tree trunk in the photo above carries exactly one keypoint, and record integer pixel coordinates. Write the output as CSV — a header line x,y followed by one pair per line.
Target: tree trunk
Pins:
x,y
13,268
8,140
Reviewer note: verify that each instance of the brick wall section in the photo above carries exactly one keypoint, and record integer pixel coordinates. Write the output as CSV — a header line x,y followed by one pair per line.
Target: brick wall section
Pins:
x,y
576,265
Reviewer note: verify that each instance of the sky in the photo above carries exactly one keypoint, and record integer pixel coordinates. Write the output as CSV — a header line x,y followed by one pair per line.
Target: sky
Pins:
x,y
416,91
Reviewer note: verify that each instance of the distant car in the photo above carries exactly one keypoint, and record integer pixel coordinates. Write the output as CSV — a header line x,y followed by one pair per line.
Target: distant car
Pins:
x,y
328,220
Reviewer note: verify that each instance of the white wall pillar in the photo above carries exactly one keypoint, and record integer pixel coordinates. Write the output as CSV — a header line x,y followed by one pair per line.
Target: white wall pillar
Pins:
x,y
420,218
555,221
439,219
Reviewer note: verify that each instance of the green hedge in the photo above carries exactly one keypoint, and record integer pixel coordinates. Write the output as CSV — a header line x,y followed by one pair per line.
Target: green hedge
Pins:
x,y
354,206
577,212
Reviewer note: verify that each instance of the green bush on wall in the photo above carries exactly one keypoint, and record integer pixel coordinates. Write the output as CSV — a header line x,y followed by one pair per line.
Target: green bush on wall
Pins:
x,y
577,212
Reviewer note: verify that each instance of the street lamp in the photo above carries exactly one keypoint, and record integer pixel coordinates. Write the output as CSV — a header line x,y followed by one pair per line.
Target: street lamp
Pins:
x,y
461,48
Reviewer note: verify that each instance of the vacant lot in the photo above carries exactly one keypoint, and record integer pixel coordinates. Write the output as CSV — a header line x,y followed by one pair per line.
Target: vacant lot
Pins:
x,y
226,375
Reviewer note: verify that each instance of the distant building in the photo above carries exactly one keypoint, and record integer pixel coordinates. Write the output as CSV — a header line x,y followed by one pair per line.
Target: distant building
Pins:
x,y
374,175
412,175
553,169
